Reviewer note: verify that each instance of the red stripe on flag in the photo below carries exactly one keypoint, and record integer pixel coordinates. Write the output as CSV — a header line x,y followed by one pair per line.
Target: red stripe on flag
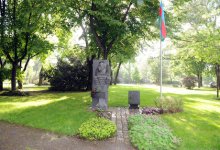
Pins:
x,y
160,11
163,29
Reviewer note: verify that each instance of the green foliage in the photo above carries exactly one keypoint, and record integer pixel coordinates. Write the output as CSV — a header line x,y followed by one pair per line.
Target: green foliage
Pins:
x,y
169,104
97,129
20,75
150,132
189,82
154,67
200,38
70,74
4,74
111,27
136,75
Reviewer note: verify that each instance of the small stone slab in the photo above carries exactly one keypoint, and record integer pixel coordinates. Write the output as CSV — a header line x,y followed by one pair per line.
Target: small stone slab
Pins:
x,y
134,99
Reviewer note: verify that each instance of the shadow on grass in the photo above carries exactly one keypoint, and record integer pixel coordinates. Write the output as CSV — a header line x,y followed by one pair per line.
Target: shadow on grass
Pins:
x,y
198,129
62,116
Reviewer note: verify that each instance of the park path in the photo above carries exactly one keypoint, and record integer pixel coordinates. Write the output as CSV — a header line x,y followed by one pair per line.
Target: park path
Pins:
x,y
16,137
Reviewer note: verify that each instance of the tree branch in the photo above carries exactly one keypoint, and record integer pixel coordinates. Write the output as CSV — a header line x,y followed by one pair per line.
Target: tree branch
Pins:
x,y
34,55
8,55
127,11
1,63
123,20
26,64
27,36
97,38
3,5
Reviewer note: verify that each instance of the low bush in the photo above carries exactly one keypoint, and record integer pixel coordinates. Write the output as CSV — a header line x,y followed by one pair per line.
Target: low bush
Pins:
x,y
152,111
70,74
189,82
97,129
150,132
169,104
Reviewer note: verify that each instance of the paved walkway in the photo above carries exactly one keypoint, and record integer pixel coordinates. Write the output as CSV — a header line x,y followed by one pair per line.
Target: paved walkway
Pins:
x,y
120,116
15,137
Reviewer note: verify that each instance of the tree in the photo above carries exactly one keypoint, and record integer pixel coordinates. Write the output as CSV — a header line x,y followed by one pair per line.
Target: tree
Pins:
x,y
126,49
2,70
111,21
105,26
37,47
154,66
115,19
202,37
22,22
136,75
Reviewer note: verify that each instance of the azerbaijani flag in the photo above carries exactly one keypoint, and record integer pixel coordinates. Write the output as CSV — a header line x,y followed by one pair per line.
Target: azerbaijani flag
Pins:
x,y
163,32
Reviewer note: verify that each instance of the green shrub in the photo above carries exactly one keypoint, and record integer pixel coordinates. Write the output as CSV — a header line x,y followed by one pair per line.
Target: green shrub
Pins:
x,y
169,104
70,74
97,129
150,132
189,82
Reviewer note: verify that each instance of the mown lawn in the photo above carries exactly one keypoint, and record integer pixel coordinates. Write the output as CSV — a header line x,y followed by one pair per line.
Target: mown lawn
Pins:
x,y
57,112
198,126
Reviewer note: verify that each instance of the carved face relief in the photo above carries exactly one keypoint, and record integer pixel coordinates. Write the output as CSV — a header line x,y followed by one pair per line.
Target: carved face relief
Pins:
x,y
102,68
101,75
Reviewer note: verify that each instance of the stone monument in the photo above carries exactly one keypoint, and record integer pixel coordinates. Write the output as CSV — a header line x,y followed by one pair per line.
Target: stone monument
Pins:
x,y
100,82
134,99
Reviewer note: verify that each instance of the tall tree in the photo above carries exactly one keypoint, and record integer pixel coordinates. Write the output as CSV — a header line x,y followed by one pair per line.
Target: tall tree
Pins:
x,y
106,23
2,70
21,22
202,37
111,21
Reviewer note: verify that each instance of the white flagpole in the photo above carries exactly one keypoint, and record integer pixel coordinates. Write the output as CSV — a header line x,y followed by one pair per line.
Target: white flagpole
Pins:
x,y
161,70
161,62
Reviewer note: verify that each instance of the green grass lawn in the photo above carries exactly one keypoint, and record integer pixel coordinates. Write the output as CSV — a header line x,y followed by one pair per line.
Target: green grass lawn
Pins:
x,y
58,112
198,126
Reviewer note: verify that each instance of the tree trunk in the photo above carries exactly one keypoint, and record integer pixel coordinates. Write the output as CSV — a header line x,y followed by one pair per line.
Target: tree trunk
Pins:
x,y
129,72
200,81
218,78
20,84
1,74
13,76
40,77
111,72
117,72
105,54
1,85
89,65
199,78
19,80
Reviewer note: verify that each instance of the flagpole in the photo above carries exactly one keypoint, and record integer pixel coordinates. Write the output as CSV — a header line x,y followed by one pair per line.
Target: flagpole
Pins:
x,y
161,70
161,61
